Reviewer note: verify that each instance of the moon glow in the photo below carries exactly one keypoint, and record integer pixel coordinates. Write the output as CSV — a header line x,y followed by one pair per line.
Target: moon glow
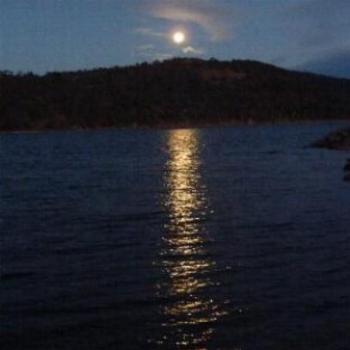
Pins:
x,y
179,37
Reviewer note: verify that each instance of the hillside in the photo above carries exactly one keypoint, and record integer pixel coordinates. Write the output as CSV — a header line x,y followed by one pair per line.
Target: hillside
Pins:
x,y
177,92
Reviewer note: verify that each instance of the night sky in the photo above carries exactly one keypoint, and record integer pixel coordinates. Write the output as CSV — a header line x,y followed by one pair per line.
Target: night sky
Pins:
x,y
56,35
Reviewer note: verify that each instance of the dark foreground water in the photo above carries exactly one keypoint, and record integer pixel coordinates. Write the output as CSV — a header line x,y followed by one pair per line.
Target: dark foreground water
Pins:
x,y
234,238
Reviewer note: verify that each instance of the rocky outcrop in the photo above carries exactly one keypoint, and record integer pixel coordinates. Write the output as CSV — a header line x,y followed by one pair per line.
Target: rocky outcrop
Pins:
x,y
347,170
338,140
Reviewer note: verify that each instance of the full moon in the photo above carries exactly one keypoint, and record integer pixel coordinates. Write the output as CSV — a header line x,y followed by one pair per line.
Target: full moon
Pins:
x,y
179,37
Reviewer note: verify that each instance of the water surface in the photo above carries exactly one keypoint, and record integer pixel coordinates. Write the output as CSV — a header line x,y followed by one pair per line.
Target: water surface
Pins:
x,y
228,238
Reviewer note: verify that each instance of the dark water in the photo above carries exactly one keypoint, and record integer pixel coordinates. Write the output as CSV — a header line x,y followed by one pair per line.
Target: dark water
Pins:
x,y
233,238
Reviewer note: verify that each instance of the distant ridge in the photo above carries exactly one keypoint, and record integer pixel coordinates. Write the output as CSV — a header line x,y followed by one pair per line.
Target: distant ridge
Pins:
x,y
172,93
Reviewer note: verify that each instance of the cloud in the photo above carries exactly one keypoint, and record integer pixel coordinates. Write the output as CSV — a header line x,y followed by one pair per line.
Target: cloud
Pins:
x,y
161,56
149,32
192,50
145,47
144,51
148,52
215,20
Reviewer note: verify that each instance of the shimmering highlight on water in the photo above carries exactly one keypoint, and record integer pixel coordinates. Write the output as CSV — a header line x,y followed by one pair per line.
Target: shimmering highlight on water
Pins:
x,y
191,313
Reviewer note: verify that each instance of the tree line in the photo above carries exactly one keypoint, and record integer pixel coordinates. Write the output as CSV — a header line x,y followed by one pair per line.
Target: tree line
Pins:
x,y
176,92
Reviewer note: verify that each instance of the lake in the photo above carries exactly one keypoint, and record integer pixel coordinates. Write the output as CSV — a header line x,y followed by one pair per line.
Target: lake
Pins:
x,y
222,238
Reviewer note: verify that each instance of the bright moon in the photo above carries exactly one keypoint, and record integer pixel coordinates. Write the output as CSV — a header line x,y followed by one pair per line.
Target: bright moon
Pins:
x,y
179,37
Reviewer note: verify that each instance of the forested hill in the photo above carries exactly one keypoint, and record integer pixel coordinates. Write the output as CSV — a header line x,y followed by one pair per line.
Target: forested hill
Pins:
x,y
177,92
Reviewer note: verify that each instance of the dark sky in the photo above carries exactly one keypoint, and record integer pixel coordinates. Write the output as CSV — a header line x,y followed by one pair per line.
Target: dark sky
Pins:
x,y
47,35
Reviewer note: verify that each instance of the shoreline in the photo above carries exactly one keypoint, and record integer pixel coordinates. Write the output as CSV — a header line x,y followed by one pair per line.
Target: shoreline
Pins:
x,y
179,126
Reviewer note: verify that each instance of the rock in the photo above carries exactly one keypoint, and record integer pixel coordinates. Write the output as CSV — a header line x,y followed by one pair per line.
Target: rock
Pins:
x,y
347,177
347,165
338,140
347,170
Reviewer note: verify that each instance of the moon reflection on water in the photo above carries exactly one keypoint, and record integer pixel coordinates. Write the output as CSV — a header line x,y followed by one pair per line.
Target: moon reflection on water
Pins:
x,y
191,311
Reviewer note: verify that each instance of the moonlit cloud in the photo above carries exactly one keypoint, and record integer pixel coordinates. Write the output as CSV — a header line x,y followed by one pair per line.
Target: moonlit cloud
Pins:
x,y
192,50
149,32
149,52
145,47
162,56
144,50
215,20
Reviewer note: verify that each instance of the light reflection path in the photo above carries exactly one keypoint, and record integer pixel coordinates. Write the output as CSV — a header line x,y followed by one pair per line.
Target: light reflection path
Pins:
x,y
190,311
